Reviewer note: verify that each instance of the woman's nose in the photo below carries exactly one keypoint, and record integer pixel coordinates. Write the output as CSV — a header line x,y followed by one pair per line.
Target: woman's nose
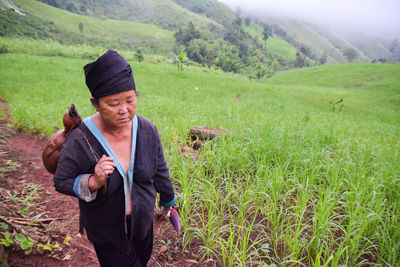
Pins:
x,y
123,109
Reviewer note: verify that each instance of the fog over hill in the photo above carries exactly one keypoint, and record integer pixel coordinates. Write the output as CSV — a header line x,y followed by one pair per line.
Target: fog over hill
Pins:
x,y
372,16
328,28
377,17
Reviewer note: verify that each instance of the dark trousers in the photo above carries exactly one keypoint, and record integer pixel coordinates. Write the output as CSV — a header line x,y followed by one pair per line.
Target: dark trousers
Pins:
x,y
137,253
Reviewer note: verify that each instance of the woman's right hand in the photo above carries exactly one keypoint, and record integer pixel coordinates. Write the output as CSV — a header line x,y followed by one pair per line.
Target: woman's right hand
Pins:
x,y
103,168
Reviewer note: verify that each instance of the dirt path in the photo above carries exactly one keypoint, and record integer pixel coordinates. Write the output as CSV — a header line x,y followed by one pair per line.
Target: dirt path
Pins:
x,y
21,165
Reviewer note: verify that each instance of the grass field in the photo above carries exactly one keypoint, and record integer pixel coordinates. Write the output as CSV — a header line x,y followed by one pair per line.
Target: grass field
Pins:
x,y
293,184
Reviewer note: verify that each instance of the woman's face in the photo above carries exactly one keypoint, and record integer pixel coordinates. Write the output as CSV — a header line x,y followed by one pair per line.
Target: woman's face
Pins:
x,y
117,110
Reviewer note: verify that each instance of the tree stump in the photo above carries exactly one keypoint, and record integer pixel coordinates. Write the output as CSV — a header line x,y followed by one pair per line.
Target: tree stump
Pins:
x,y
198,136
206,133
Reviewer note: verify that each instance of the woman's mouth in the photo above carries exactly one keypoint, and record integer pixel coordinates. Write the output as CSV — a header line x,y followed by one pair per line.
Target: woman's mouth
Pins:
x,y
122,119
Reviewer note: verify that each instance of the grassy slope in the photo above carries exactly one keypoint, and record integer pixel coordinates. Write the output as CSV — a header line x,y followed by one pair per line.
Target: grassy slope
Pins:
x,y
13,24
166,14
96,28
304,34
364,87
275,44
213,9
372,46
368,46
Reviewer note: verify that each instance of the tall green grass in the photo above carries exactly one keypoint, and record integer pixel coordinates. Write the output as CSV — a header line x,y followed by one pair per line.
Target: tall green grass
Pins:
x,y
51,48
292,184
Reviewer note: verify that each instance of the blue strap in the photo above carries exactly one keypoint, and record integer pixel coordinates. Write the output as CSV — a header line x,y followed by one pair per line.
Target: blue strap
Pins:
x,y
99,136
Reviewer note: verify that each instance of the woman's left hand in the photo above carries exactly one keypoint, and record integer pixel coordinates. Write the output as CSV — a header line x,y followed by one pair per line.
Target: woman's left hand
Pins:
x,y
103,168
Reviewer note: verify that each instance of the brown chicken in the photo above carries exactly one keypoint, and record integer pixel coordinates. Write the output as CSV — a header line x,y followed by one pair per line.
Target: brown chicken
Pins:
x,y
52,149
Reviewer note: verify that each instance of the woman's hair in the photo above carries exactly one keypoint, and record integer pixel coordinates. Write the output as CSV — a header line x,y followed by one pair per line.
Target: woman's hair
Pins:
x,y
96,101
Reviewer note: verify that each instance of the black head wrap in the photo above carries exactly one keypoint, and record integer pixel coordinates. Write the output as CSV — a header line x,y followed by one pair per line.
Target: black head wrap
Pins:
x,y
109,74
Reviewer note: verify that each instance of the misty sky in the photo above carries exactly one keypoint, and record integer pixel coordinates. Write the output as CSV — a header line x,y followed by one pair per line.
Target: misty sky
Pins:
x,y
376,16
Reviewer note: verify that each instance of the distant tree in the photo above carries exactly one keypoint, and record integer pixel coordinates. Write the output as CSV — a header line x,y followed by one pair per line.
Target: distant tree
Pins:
x,y
238,11
212,53
197,51
80,26
212,28
187,34
267,32
178,59
350,54
323,58
228,58
71,8
55,3
282,61
83,10
305,50
259,72
247,21
237,23
202,52
395,49
236,33
275,66
379,60
278,31
139,55
181,59
244,51
300,61
256,43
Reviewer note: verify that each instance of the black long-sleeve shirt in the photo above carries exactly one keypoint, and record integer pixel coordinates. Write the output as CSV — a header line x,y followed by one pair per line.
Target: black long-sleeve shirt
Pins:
x,y
104,217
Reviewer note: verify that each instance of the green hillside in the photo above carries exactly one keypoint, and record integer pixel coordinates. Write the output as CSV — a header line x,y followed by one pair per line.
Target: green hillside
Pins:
x,y
166,14
363,87
211,9
13,24
325,44
110,32
46,22
324,41
278,46
275,44
372,46
354,76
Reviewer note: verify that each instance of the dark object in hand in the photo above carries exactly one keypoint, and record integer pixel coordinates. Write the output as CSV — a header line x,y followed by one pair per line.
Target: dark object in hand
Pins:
x,y
52,149
172,213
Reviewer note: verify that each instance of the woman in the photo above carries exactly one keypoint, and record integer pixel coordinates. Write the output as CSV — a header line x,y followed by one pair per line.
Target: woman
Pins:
x,y
114,163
